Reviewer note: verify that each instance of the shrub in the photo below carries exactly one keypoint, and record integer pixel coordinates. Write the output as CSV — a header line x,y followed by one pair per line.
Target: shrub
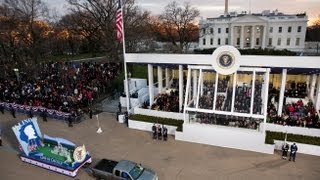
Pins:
x,y
153,119
271,136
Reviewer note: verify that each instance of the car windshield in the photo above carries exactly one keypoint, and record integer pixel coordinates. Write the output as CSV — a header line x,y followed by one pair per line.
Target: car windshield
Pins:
x,y
136,171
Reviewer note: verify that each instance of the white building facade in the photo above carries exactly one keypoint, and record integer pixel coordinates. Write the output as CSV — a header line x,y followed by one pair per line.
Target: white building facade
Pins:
x,y
271,30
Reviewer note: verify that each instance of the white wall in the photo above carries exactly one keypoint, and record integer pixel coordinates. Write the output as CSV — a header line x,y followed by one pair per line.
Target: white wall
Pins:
x,y
293,130
229,137
145,126
302,148
163,114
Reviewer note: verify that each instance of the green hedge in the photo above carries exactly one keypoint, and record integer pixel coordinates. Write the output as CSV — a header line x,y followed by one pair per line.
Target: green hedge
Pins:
x,y
271,136
153,119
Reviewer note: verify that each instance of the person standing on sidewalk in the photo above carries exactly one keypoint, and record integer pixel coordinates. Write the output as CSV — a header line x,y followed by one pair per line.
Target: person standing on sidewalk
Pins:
x,y
285,148
293,152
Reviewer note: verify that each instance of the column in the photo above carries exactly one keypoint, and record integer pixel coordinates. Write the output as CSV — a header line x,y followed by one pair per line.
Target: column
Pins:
x,y
187,92
160,78
199,86
241,37
151,88
253,30
308,84
167,77
266,94
313,85
194,86
252,91
317,105
264,34
282,90
180,87
231,36
233,91
215,91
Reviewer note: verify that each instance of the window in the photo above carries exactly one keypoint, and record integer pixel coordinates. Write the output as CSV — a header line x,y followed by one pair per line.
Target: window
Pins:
x,y
117,173
298,42
289,29
238,41
257,41
227,41
239,30
270,42
288,41
204,30
271,30
299,28
227,30
211,30
219,41
204,41
279,42
211,41
280,30
125,175
136,171
219,30
258,29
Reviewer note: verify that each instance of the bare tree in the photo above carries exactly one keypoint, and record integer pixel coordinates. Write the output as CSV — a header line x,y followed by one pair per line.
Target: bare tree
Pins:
x,y
101,14
179,24
29,16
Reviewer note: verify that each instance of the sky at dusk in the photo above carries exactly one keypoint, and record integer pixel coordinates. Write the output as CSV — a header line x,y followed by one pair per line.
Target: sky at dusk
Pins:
x,y
214,8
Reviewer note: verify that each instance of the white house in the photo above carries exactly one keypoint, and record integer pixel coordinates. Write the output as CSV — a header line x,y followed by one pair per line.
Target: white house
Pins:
x,y
272,30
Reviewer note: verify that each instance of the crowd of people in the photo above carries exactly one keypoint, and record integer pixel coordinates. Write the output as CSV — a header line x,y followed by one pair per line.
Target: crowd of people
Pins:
x,y
295,114
227,120
243,98
296,90
167,102
61,86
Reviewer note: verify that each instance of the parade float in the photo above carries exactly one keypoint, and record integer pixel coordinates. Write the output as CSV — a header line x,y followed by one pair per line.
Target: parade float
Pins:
x,y
53,153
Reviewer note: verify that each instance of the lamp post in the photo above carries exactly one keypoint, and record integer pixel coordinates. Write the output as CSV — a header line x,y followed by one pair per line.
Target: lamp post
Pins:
x,y
16,72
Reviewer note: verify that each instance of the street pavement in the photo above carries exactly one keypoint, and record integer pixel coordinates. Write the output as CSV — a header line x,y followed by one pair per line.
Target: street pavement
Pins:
x,y
171,160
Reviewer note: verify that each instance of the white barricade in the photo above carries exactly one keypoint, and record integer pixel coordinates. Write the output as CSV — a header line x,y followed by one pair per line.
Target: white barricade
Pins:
x,y
163,114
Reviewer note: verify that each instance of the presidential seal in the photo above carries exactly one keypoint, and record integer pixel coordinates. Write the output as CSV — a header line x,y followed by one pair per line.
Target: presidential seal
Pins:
x,y
79,154
226,60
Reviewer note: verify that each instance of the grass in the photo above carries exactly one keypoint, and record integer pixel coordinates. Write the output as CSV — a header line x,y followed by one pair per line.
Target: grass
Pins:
x,y
46,150
138,71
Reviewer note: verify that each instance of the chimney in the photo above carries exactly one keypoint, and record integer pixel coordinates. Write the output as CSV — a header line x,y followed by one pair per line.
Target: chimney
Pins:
x,y
226,8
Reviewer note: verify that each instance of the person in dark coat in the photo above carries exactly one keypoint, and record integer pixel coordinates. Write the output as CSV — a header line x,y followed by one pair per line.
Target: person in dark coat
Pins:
x,y
70,121
159,132
2,109
90,113
119,106
44,115
154,131
13,112
30,113
165,133
293,152
285,148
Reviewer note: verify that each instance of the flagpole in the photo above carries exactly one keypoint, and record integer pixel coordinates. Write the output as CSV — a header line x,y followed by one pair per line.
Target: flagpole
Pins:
x,y
125,62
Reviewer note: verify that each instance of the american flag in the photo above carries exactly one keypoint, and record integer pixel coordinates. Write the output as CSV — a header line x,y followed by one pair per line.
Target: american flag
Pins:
x,y
119,19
